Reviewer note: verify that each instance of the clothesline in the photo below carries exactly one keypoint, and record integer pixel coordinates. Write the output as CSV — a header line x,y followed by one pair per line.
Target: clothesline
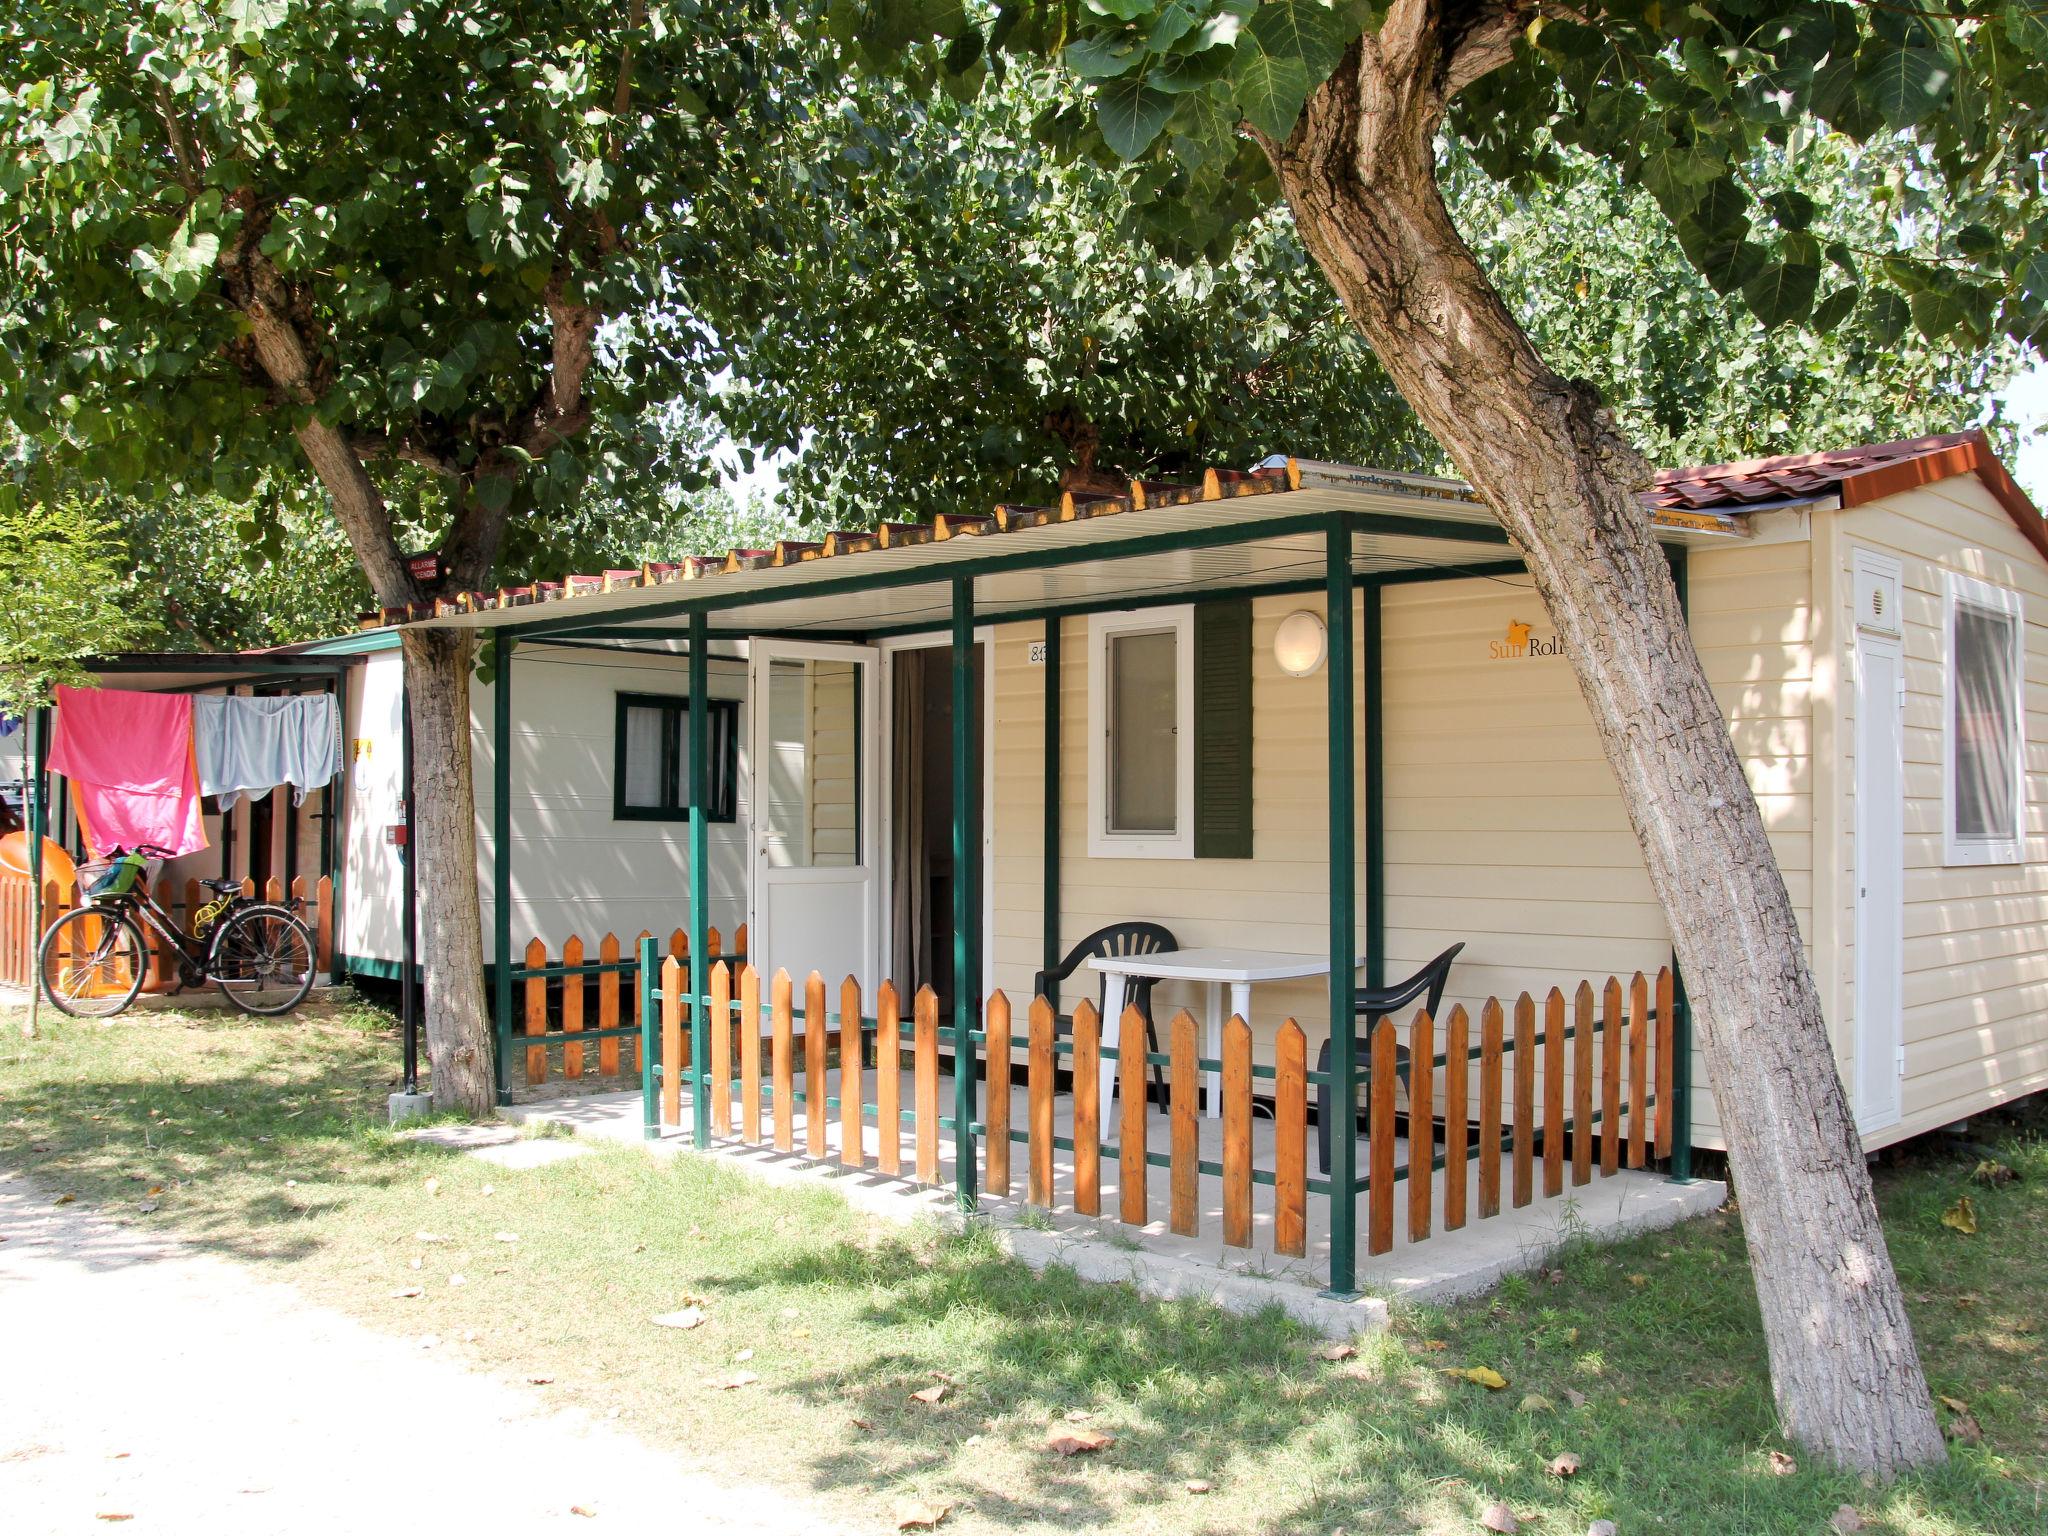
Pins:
x,y
138,763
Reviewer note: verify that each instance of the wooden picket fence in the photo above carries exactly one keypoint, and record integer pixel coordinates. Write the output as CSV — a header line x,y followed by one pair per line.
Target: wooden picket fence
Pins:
x,y
575,1001
1541,1093
19,940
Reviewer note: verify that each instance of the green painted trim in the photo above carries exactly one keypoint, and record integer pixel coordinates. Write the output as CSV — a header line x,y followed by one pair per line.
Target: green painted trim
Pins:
x,y
362,643
1372,661
966,887
1049,784
501,854
1224,705
1343,916
700,860
1180,597
675,708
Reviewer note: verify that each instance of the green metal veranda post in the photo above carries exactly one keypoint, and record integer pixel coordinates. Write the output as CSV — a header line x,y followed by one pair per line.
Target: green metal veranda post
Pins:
x,y
1343,909
966,895
650,1038
501,857
1050,898
700,899
1371,662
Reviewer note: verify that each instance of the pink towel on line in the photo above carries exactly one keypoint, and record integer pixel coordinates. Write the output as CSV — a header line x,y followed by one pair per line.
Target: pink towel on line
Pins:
x,y
133,776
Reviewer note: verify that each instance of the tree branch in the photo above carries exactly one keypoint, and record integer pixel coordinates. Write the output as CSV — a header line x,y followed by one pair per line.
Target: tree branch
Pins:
x,y
191,168
255,288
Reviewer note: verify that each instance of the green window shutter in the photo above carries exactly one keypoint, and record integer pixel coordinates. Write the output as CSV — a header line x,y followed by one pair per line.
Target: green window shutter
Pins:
x,y
1223,730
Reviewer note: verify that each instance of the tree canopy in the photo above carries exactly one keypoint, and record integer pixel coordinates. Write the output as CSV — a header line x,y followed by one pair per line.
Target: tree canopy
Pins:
x,y
1683,101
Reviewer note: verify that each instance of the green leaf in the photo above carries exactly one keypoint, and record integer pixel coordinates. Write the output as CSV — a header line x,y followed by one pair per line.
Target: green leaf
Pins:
x,y
1270,89
1101,56
1131,114
1939,310
2026,24
1298,29
1781,292
1792,210
1904,84
69,135
177,273
1834,309
1887,316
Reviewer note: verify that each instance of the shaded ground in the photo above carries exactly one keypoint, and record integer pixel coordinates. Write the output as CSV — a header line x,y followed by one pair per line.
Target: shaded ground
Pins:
x,y
1644,1359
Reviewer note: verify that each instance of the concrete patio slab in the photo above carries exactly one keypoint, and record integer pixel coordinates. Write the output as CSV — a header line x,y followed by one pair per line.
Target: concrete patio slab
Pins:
x,y
1446,1265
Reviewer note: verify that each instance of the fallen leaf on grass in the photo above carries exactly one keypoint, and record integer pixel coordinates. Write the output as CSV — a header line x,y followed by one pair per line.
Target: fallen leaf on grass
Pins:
x,y
429,1237
540,1381
1335,1352
147,1207
1197,1485
930,1394
1498,1517
1575,1397
578,1509
110,1515
1564,1464
743,1357
1639,1280
433,1186
1962,1426
687,1317
1993,1173
729,1383
66,1200
1781,1464
913,1513
1600,1528
1434,1346
1078,1442
1479,1375
1535,1402
1845,1518
1962,1216
506,1237
407,1294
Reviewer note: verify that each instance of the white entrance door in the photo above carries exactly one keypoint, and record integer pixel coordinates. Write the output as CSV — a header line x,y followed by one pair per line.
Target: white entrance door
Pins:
x,y
1880,910
815,898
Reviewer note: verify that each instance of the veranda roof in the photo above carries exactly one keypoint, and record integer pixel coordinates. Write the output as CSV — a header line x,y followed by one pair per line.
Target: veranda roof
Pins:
x,y
1238,530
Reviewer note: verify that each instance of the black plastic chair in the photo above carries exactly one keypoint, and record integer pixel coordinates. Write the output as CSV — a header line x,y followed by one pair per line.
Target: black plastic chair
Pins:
x,y
1116,939
1372,1003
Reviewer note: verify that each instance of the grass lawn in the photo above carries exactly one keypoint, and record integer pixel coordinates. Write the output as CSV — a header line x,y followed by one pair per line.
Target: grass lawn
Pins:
x,y
263,1140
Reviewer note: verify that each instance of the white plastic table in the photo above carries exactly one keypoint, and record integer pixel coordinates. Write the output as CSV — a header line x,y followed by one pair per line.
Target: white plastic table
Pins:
x,y
1216,966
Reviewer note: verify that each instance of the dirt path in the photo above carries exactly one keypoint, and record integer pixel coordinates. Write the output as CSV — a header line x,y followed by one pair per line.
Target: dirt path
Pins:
x,y
141,1379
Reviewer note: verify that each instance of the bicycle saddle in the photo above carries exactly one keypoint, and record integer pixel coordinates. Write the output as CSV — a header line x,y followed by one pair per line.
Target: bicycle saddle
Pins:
x,y
222,887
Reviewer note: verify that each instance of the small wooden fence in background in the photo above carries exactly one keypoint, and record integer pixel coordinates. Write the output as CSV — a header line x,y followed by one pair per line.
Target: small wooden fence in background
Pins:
x,y
589,996
1477,1120
19,940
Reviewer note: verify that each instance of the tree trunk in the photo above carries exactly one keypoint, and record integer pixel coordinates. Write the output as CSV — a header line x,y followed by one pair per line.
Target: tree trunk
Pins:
x,y
1359,174
444,841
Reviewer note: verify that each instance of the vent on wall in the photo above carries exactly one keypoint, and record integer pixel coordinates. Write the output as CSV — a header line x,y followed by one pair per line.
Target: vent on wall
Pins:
x,y
1877,593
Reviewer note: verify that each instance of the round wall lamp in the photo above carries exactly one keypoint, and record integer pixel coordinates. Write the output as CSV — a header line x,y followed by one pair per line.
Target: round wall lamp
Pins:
x,y
1300,644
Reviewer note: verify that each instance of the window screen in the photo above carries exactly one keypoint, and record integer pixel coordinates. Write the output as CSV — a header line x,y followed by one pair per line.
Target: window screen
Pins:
x,y
1984,694
1144,705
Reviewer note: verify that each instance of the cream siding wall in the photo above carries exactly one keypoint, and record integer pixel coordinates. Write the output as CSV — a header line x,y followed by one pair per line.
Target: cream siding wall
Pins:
x,y
575,870
1975,996
1504,829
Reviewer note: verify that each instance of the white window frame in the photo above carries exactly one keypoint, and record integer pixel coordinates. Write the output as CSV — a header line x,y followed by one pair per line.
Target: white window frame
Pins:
x,y
1103,843
1959,590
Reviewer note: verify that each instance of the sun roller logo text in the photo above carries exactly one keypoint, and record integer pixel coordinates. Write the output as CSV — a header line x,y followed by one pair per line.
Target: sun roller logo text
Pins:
x,y
1521,644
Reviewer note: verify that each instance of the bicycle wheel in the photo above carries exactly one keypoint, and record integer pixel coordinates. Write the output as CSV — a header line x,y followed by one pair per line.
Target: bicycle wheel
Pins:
x,y
262,952
92,962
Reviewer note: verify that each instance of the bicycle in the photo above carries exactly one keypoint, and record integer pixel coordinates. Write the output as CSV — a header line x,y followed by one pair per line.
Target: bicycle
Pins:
x,y
94,959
